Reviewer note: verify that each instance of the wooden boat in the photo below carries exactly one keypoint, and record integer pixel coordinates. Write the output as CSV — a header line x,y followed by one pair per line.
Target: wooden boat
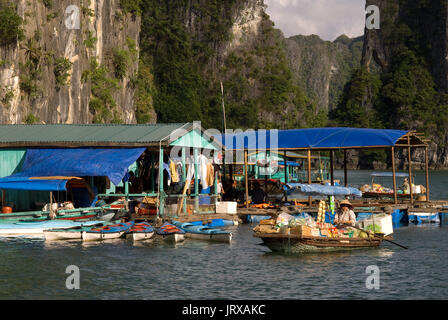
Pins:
x,y
171,233
294,243
38,228
140,231
107,232
203,232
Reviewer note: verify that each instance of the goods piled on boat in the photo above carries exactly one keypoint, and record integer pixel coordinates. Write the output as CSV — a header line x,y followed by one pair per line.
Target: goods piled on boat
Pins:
x,y
302,233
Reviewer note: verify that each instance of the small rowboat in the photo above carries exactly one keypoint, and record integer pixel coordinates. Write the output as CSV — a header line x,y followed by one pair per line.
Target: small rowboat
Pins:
x,y
74,233
292,243
38,228
107,232
204,233
140,231
171,233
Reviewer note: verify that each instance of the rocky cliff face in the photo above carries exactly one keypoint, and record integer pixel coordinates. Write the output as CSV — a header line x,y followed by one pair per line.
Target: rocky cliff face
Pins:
x,y
427,21
51,75
419,27
321,67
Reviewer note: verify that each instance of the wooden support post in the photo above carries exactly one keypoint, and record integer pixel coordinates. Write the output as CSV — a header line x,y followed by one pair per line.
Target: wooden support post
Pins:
x,y
345,168
410,171
393,175
309,174
196,180
246,179
161,195
332,167
184,178
285,161
427,174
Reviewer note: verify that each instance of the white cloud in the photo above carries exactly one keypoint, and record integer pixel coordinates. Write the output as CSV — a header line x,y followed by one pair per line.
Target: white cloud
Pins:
x,y
326,18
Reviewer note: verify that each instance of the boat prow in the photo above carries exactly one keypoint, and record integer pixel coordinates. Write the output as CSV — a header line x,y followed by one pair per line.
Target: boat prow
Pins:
x,y
170,233
140,231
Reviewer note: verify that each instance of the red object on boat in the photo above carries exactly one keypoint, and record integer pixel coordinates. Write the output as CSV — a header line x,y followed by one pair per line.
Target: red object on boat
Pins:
x,y
145,211
117,206
6,209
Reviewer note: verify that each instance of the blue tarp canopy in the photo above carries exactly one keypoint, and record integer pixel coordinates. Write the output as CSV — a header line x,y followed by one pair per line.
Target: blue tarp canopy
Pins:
x,y
318,189
389,174
312,138
25,183
78,162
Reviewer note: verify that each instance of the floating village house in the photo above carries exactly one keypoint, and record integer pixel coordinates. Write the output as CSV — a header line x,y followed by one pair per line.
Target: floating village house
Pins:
x,y
329,140
38,159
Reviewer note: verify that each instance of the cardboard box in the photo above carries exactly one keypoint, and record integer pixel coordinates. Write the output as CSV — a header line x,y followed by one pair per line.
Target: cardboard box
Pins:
x,y
270,222
265,229
303,231
228,207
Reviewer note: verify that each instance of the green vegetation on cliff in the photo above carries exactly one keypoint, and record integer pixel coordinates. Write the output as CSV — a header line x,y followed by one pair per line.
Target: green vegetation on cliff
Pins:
x,y
10,24
185,45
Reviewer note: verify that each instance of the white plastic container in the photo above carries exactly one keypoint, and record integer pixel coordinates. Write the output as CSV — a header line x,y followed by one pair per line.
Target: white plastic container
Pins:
x,y
226,207
382,220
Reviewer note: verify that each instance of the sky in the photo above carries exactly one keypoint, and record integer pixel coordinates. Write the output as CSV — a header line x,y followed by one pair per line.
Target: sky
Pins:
x,y
326,18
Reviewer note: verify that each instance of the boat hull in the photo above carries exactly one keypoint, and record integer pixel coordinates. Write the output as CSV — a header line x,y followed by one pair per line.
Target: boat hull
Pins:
x,y
98,236
210,237
298,245
51,235
173,237
139,236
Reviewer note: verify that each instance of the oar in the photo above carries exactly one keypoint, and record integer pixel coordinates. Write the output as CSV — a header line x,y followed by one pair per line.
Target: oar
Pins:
x,y
397,244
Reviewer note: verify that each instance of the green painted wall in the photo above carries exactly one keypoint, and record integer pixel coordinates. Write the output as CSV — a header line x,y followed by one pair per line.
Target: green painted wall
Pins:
x,y
10,163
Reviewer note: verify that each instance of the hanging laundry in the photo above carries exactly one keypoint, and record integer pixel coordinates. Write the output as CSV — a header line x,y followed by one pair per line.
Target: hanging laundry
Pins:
x,y
166,168
173,172
210,174
202,168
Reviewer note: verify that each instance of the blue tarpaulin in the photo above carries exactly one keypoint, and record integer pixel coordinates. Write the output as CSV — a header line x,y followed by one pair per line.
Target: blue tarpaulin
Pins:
x,y
78,162
25,183
318,189
313,138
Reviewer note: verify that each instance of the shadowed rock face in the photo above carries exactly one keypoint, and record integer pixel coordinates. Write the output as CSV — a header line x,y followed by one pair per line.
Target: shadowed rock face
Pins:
x,y
427,22
50,49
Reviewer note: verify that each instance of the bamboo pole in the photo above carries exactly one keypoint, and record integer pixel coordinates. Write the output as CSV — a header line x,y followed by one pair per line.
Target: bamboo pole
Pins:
x,y
393,176
332,167
410,170
345,169
427,174
246,179
309,174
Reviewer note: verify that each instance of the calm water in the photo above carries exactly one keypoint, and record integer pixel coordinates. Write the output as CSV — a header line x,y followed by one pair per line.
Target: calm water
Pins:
x,y
35,269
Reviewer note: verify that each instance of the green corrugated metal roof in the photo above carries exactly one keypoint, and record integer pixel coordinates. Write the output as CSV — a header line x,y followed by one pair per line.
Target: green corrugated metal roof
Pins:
x,y
90,134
